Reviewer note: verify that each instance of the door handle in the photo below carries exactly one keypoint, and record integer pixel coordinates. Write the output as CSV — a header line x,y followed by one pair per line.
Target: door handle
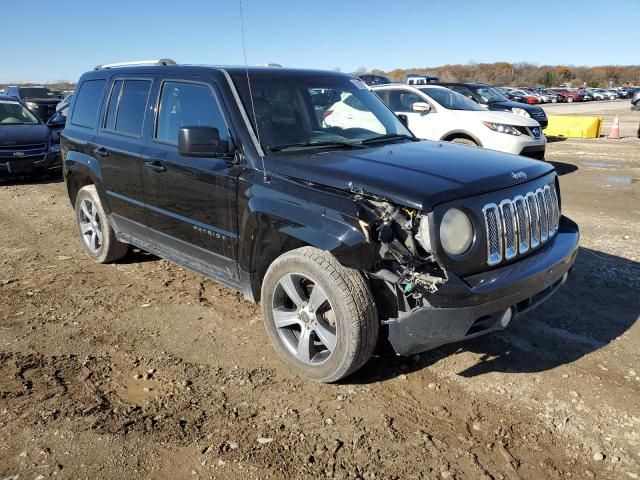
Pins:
x,y
155,166
101,152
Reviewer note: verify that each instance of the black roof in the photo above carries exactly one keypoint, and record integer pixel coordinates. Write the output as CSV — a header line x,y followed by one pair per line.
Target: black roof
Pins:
x,y
208,69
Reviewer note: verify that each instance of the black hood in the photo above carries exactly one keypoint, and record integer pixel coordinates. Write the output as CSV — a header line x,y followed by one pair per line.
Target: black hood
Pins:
x,y
23,138
23,134
43,101
507,105
415,174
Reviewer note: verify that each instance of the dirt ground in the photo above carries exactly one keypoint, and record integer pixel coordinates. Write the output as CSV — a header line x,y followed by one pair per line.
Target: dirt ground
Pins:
x,y
142,370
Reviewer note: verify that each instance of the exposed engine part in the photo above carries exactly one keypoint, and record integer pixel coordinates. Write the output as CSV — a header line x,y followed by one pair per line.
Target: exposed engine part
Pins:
x,y
403,261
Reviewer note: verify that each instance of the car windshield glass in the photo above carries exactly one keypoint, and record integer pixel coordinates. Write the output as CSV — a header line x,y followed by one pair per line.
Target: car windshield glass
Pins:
x,y
13,113
36,92
451,100
307,112
490,94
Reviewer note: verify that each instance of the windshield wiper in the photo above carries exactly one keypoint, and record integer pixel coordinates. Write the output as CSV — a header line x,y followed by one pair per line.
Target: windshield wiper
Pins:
x,y
312,145
387,138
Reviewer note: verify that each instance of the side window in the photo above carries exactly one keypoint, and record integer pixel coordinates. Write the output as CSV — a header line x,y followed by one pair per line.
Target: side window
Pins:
x,y
127,106
87,105
401,100
187,105
355,102
383,95
112,108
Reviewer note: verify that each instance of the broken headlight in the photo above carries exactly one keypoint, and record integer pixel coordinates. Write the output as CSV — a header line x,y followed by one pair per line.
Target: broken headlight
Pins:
x,y
456,232
423,237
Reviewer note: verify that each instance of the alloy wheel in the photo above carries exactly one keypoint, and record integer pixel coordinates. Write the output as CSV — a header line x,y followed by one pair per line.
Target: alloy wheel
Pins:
x,y
90,225
304,318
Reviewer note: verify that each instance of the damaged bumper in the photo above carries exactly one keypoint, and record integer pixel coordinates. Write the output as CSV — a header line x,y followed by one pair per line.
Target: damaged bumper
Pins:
x,y
464,308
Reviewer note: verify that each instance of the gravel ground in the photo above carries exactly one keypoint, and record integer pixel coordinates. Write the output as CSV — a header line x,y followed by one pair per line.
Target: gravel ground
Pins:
x,y
144,370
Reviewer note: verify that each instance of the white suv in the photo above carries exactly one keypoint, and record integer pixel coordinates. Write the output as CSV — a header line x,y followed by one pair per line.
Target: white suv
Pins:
x,y
437,113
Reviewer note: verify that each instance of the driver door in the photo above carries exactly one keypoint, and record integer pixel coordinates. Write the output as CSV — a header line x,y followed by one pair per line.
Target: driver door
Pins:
x,y
400,101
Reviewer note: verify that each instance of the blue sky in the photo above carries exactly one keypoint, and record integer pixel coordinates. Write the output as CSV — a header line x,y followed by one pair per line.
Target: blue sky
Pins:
x,y
315,34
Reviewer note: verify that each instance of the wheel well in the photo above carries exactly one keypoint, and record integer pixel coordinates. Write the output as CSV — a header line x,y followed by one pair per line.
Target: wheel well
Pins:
x,y
271,251
455,135
75,181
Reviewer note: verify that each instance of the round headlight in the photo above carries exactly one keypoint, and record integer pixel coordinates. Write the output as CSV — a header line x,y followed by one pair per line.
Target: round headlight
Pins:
x,y
456,232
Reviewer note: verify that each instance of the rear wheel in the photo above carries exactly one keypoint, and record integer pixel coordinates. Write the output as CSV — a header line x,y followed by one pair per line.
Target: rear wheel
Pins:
x,y
569,99
98,238
320,316
464,141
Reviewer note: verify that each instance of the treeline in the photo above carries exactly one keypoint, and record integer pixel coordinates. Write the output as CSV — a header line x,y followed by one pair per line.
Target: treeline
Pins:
x,y
524,74
57,85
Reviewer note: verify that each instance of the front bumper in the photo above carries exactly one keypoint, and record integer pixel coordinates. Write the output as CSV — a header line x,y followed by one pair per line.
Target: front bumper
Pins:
x,y
464,308
516,145
42,163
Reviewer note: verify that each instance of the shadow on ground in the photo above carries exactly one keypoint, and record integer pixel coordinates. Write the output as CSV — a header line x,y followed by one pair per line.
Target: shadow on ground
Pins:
x,y
31,179
596,306
564,168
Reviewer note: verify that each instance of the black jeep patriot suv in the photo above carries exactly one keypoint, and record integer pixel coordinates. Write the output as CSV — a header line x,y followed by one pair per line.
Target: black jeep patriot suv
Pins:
x,y
346,231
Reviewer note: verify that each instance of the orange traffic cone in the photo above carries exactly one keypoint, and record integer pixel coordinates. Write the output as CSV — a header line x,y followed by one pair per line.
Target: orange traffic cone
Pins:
x,y
615,128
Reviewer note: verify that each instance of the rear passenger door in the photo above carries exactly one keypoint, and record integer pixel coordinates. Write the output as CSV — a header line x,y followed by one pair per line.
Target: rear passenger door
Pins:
x,y
191,201
119,148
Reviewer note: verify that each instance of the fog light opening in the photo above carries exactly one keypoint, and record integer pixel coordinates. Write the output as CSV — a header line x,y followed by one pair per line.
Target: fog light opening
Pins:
x,y
506,317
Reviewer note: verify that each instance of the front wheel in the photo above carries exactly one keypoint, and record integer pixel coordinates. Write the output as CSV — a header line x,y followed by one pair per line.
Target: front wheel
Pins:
x,y
569,99
320,316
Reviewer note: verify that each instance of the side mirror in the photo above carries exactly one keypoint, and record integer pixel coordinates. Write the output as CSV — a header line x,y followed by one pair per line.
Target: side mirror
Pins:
x,y
202,142
57,119
404,119
422,107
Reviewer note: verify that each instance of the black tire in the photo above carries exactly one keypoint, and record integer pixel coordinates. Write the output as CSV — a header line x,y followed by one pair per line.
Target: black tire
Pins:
x,y
351,304
108,248
463,141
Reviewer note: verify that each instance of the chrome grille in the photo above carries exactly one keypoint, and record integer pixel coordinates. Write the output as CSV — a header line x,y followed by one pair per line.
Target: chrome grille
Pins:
x,y
494,233
508,229
24,146
524,227
542,215
514,226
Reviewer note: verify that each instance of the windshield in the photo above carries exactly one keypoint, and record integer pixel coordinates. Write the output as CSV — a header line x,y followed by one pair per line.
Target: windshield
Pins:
x,y
490,94
311,111
13,113
36,92
451,100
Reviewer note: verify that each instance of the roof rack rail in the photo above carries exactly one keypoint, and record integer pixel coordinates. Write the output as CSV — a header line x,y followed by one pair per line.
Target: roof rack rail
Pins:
x,y
161,61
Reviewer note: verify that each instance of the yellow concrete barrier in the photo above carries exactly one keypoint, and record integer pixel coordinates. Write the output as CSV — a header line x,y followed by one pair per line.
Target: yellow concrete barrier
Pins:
x,y
573,126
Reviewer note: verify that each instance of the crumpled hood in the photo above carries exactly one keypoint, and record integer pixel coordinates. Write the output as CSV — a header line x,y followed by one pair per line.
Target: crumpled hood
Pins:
x,y
415,174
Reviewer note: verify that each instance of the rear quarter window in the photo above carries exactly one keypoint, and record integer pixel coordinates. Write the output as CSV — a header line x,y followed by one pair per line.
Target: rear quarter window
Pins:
x,y
87,104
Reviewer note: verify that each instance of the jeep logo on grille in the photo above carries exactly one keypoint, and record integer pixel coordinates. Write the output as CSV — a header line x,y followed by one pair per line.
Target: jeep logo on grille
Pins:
x,y
518,175
18,154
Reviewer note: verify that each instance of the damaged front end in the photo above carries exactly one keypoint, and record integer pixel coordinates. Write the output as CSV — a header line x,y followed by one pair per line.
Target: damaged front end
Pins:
x,y
407,272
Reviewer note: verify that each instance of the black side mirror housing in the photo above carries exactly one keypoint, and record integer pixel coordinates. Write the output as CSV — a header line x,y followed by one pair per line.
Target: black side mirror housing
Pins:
x,y
202,142
404,119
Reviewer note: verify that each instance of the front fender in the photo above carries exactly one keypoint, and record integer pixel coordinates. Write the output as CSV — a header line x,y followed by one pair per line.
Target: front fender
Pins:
x,y
281,214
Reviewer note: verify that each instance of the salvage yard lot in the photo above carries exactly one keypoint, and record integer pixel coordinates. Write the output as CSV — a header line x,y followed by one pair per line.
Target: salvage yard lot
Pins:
x,y
145,370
